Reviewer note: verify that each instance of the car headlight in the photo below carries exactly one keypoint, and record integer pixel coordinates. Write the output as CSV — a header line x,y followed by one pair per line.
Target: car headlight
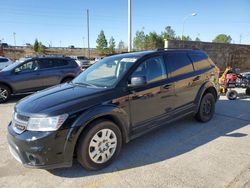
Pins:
x,y
46,123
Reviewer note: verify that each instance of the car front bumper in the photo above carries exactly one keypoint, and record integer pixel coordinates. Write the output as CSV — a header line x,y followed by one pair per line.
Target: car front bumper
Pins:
x,y
45,150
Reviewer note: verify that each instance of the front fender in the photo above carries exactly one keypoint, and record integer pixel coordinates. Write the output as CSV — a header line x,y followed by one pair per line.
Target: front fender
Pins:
x,y
102,111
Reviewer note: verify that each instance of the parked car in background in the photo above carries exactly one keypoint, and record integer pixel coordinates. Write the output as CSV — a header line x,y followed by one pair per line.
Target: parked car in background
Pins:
x,y
83,61
98,58
36,74
4,62
112,102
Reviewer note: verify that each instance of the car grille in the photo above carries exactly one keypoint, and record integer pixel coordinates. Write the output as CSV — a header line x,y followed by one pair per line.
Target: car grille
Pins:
x,y
19,123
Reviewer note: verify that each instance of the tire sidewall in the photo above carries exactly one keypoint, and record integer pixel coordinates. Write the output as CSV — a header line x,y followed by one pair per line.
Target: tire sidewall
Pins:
x,y
210,97
8,91
83,147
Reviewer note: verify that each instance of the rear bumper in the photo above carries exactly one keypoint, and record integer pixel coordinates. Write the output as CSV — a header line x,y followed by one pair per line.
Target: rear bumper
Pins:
x,y
44,150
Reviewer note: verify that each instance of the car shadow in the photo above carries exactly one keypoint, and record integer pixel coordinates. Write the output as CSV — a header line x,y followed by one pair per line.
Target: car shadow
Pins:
x,y
172,140
16,98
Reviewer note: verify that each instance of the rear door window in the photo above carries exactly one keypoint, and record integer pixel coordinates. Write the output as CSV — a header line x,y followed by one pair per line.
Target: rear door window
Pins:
x,y
46,63
200,61
179,64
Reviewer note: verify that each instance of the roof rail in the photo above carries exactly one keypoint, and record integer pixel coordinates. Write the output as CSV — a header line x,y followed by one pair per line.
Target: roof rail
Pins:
x,y
193,48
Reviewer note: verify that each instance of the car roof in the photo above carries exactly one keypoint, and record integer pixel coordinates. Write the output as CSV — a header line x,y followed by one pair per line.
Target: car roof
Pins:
x,y
151,52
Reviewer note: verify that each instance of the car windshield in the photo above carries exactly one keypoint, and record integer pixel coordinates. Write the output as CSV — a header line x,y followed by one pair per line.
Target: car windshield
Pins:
x,y
106,72
11,66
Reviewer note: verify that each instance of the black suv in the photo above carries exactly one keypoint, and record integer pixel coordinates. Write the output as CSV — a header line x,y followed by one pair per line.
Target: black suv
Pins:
x,y
35,74
115,100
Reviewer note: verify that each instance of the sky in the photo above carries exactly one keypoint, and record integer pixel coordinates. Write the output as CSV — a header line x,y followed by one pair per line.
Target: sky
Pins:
x,y
64,23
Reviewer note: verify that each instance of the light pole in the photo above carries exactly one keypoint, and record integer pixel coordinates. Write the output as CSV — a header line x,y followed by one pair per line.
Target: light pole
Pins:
x,y
184,21
129,27
14,36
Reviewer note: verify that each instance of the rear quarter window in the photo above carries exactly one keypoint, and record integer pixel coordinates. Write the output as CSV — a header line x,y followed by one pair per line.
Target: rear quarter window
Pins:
x,y
200,61
179,64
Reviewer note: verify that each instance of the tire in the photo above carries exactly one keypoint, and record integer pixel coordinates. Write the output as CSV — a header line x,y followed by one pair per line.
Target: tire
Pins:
x,y
248,91
232,94
93,141
206,108
65,80
4,93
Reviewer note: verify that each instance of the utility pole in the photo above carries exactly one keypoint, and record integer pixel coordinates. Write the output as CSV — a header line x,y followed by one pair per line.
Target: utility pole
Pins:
x,y
14,36
129,26
88,32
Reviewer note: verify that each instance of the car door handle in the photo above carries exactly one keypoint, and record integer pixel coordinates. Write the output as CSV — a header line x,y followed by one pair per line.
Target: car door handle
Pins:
x,y
196,78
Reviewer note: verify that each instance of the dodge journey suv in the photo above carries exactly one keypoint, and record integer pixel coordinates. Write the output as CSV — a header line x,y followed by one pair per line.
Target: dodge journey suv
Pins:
x,y
114,101
35,74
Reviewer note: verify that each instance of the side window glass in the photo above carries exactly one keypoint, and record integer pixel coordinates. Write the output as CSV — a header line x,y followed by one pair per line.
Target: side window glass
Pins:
x,y
153,69
46,63
200,61
28,67
178,64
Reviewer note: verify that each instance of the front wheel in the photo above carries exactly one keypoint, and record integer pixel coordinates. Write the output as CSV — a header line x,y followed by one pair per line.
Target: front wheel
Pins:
x,y
232,94
99,145
4,93
206,108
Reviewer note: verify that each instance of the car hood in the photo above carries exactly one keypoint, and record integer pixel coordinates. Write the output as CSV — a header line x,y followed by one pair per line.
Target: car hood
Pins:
x,y
4,73
61,99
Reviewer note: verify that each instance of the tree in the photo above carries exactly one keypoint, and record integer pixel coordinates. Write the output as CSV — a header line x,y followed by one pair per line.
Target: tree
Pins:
x,y
112,45
121,46
153,41
169,33
184,38
223,38
102,43
36,46
139,40
197,39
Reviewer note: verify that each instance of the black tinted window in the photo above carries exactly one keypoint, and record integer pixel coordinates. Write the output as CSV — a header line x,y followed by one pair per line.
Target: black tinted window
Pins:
x,y
178,64
60,62
3,60
153,69
46,63
200,61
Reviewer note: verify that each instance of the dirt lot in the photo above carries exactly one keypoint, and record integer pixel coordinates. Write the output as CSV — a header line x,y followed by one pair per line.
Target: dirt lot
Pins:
x,y
182,154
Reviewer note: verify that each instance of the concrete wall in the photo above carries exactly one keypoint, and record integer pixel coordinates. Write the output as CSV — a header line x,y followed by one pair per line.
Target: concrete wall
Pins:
x,y
223,55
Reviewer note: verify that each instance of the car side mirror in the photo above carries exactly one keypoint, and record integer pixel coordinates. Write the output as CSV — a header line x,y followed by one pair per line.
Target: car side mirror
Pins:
x,y
138,81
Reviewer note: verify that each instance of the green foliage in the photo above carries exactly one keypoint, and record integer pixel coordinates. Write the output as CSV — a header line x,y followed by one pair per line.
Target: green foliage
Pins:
x,y
223,38
121,46
139,40
197,39
102,43
38,47
153,41
169,33
112,45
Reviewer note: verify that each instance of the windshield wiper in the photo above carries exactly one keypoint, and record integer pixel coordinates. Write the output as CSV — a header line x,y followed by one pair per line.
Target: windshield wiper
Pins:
x,y
84,84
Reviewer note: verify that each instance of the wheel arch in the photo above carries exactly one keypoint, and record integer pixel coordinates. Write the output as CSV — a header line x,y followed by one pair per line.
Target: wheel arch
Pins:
x,y
7,85
207,87
85,120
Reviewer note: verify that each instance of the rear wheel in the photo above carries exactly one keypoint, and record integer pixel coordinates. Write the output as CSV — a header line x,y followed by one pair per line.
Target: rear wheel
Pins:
x,y
99,145
232,94
206,108
4,93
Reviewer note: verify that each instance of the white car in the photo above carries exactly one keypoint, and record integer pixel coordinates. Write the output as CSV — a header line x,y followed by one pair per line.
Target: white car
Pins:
x,y
4,62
